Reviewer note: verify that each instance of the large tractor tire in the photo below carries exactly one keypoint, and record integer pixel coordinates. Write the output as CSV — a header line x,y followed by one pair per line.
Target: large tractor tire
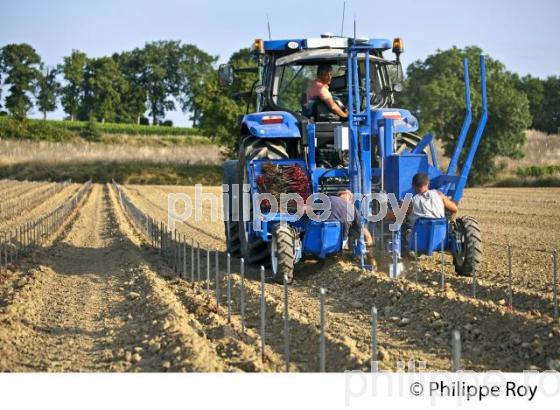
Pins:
x,y
468,260
409,141
282,252
231,224
254,249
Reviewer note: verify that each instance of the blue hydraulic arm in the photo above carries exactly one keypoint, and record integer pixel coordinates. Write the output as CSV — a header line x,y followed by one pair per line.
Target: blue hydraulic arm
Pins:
x,y
458,194
354,159
427,140
466,123
359,123
365,135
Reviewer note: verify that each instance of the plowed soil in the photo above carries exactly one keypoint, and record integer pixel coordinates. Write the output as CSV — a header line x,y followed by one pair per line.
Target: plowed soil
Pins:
x,y
40,209
99,298
92,301
416,318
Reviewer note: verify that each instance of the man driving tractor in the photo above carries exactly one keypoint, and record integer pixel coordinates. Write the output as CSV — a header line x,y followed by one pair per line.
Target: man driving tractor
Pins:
x,y
318,91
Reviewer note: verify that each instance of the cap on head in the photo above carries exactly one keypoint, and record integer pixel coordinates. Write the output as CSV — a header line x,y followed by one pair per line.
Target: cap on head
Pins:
x,y
420,180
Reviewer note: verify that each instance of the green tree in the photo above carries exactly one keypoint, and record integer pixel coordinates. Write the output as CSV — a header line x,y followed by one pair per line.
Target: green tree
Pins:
x,y
544,101
133,102
48,89
549,120
195,68
72,93
158,70
534,90
20,63
104,85
220,109
434,91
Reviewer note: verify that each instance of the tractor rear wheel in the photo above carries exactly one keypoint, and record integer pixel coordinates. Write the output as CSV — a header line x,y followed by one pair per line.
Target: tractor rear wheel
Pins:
x,y
405,140
409,141
468,259
231,224
253,248
282,252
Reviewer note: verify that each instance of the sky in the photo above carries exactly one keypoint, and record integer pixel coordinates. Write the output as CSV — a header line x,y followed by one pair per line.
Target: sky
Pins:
x,y
525,35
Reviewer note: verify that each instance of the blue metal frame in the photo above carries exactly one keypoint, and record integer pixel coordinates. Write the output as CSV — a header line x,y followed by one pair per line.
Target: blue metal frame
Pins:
x,y
458,194
452,184
360,130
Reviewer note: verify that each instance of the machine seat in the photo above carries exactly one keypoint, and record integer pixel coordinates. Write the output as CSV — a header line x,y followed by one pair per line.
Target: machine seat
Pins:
x,y
430,234
323,238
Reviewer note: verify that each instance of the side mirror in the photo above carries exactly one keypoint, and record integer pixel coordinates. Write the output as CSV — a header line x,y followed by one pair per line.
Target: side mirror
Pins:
x,y
225,75
397,77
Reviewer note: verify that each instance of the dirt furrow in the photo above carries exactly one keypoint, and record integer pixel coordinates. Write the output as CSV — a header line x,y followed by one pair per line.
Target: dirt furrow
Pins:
x,y
342,351
19,188
40,209
94,304
100,299
35,190
204,229
240,351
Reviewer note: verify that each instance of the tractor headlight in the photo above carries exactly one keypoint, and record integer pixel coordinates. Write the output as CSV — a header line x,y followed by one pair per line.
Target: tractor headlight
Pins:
x,y
293,45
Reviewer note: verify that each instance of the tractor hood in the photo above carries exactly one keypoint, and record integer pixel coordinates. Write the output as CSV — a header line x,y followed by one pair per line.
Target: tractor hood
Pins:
x,y
271,124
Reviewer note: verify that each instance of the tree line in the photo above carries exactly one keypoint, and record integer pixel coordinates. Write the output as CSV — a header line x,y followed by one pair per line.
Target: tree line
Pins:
x,y
158,77
169,75
122,88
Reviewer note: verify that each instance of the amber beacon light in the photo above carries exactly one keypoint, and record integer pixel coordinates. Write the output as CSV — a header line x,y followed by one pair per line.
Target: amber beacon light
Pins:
x,y
398,46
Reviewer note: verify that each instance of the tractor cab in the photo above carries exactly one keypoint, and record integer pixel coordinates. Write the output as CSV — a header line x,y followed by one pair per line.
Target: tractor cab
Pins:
x,y
289,75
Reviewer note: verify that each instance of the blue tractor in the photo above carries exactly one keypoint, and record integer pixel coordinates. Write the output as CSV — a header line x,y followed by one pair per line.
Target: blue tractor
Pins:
x,y
374,151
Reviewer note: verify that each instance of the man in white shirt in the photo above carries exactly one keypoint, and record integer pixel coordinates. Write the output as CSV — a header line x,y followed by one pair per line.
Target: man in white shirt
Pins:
x,y
428,203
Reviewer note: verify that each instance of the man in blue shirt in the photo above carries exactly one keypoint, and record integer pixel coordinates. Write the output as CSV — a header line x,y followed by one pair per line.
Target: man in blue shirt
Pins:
x,y
344,211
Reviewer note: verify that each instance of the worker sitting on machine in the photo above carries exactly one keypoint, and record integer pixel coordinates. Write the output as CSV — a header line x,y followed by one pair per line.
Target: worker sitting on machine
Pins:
x,y
318,94
428,203
344,211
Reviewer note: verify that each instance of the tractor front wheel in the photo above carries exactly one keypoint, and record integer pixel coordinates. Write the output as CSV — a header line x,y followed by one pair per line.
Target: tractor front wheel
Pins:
x,y
469,256
283,252
231,224
253,248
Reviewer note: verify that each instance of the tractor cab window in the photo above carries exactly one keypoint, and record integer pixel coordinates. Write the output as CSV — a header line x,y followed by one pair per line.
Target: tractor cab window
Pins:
x,y
294,73
292,82
377,83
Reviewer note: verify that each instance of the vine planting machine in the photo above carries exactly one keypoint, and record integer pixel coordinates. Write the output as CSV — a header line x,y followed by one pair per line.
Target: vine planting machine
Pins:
x,y
286,147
